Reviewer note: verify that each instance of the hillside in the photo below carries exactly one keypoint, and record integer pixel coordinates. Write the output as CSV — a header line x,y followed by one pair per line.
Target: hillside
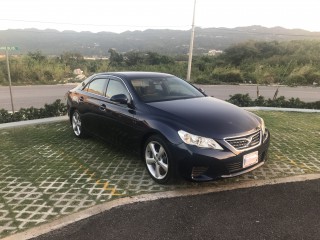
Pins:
x,y
53,42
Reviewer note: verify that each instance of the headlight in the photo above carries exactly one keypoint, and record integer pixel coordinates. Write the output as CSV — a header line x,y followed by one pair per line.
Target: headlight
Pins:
x,y
201,142
264,132
263,127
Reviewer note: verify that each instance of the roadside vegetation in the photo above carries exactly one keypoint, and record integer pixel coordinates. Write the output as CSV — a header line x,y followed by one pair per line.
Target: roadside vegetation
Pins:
x,y
55,109
291,63
244,100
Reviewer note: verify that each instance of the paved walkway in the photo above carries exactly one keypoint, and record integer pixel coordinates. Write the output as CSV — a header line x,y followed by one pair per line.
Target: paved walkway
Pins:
x,y
47,173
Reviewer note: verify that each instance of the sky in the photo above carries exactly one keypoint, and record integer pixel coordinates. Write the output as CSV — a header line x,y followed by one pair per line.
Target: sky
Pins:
x,y
122,15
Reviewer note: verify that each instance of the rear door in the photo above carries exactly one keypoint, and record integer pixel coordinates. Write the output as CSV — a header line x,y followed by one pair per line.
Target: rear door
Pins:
x,y
90,104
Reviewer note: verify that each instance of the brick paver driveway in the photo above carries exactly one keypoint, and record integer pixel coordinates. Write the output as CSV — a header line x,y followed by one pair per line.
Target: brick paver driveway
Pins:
x,y
46,172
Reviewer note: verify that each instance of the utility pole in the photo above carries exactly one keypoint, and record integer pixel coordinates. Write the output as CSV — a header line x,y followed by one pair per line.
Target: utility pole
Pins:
x,y
9,77
7,49
191,43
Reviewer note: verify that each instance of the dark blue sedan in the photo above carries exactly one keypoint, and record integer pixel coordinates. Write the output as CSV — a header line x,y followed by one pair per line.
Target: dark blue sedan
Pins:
x,y
177,128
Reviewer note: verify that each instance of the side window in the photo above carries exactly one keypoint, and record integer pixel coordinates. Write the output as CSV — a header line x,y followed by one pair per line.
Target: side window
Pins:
x,y
97,86
116,87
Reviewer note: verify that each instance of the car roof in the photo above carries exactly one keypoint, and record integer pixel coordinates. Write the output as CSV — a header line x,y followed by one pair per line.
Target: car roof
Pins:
x,y
134,75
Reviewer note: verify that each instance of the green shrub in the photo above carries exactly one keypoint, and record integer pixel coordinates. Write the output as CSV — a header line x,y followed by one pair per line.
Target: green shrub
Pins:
x,y
50,110
241,100
244,100
313,105
227,75
296,80
5,116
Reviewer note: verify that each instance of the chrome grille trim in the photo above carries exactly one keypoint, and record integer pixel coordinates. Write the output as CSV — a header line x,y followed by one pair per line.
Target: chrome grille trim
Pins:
x,y
245,142
244,171
234,167
198,171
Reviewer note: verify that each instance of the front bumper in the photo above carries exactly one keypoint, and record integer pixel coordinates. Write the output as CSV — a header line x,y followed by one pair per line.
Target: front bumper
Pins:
x,y
207,164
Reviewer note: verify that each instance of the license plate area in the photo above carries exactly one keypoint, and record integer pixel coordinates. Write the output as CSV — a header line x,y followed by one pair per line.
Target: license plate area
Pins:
x,y
250,159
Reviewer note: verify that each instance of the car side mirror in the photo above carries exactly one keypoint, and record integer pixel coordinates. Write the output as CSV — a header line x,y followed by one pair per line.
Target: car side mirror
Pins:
x,y
119,98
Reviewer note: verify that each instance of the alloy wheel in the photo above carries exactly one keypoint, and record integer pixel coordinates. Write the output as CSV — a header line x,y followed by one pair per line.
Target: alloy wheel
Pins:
x,y
76,124
156,160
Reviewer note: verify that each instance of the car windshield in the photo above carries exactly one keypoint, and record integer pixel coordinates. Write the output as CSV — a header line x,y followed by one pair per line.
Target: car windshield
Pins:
x,y
164,89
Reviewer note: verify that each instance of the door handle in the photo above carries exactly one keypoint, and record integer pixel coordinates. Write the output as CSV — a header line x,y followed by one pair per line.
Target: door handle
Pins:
x,y
102,107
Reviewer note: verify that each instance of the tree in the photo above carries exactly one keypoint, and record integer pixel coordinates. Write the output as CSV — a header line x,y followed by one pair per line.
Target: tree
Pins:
x,y
115,59
236,54
133,58
73,60
37,56
153,58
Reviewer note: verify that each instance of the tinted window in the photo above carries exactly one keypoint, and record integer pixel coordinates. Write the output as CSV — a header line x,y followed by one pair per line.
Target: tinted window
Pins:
x,y
164,89
116,87
97,86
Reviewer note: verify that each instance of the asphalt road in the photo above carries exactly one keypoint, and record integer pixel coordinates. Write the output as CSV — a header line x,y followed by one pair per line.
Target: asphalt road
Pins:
x,y
28,96
284,211
37,96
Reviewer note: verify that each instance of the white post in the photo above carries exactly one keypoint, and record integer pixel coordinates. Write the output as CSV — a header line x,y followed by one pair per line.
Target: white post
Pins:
x,y
9,78
191,43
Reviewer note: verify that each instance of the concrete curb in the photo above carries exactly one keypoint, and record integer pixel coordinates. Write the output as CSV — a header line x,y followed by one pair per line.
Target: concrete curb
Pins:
x,y
64,221
33,122
282,109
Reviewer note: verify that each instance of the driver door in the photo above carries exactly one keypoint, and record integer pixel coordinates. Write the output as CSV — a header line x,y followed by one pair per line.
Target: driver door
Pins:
x,y
118,119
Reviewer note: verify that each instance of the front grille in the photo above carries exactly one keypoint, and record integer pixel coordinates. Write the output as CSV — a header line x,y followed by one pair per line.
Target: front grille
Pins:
x,y
245,142
234,167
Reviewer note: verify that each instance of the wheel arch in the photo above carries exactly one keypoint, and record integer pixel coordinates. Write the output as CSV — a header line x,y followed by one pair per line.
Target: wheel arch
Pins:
x,y
145,137
169,135
71,111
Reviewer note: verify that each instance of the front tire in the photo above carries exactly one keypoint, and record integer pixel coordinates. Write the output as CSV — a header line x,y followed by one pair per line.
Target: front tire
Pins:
x,y
158,160
77,125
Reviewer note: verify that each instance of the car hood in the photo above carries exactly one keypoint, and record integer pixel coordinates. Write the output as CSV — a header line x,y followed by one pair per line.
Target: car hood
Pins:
x,y
207,116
